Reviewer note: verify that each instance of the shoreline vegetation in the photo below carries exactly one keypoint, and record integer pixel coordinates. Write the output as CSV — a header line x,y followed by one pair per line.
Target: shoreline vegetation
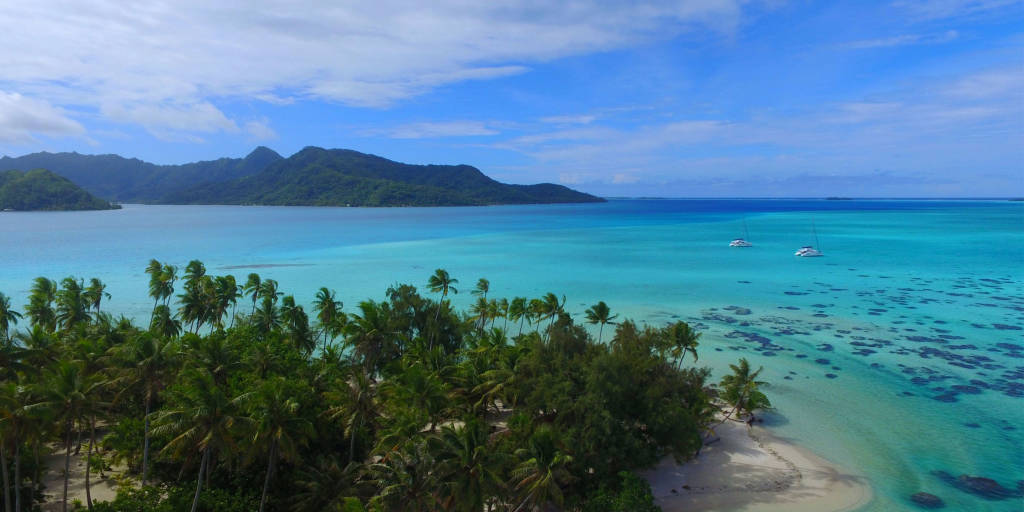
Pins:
x,y
42,190
236,398
311,177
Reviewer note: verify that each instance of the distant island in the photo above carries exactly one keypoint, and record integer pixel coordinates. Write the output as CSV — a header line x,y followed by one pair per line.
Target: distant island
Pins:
x,y
40,189
312,177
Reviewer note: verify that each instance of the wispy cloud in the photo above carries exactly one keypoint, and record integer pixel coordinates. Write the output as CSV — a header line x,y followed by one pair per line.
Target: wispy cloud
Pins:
x,y
570,119
21,118
433,130
902,40
160,61
934,9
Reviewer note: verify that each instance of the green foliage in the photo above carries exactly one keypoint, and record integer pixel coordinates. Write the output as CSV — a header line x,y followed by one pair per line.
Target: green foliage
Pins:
x,y
408,405
178,498
130,179
339,177
632,494
40,189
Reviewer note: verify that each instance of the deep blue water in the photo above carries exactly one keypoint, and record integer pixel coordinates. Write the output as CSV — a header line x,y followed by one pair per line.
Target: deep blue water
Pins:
x,y
895,355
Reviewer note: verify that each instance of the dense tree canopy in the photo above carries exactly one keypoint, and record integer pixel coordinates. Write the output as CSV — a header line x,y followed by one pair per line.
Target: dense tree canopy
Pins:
x,y
402,404
40,189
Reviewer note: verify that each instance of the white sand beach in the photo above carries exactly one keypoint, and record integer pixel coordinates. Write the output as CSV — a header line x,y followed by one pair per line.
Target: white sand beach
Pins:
x,y
102,489
752,471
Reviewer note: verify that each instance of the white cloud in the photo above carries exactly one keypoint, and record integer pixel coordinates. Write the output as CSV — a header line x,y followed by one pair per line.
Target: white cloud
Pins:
x,y
172,121
991,83
903,40
22,117
260,130
163,63
933,9
432,130
570,119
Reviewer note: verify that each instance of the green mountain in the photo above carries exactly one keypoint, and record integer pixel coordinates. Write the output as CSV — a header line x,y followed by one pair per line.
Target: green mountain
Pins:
x,y
313,176
133,180
339,177
41,189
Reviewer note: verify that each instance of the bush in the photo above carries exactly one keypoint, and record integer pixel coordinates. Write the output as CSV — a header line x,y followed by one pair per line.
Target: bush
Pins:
x,y
632,495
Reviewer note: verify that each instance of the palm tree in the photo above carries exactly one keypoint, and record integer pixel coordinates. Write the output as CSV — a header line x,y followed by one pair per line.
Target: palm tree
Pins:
x,y
482,287
404,479
466,466
163,323
600,313
683,339
40,304
65,395
325,485
547,308
494,310
740,389
155,271
205,420
8,317
226,293
252,289
168,276
147,362
480,310
370,335
542,469
519,310
443,283
357,407
328,311
72,306
194,272
95,293
279,426
297,323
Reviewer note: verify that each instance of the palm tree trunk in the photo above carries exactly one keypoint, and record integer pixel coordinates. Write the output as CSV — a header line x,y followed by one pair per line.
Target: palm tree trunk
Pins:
x,y
437,314
352,443
521,319
88,462
199,481
78,443
67,466
35,467
6,477
600,332
145,443
270,471
17,477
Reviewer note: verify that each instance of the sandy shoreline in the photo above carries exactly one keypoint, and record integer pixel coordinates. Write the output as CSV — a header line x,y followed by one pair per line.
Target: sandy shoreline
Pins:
x,y
752,470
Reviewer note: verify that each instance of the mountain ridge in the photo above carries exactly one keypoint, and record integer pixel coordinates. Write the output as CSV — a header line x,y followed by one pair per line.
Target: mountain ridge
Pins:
x,y
313,176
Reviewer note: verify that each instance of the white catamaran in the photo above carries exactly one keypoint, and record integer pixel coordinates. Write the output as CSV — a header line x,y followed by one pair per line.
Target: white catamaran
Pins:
x,y
742,242
808,251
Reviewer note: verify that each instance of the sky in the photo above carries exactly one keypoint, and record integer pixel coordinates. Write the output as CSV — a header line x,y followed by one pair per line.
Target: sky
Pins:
x,y
692,98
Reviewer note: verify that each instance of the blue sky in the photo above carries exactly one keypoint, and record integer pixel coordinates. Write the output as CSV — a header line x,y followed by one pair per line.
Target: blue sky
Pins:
x,y
699,98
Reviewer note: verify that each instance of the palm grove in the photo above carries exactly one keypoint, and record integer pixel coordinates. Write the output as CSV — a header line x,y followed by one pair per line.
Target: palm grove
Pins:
x,y
235,399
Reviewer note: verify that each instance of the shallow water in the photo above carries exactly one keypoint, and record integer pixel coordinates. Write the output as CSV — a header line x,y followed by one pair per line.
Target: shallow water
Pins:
x,y
897,354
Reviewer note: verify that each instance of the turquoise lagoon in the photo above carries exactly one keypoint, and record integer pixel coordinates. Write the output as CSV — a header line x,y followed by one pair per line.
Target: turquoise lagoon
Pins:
x,y
897,354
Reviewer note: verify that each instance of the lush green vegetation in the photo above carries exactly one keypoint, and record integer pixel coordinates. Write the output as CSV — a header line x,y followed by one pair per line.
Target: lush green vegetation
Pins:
x,y
41,189
132,180
311,177
339,177
237,398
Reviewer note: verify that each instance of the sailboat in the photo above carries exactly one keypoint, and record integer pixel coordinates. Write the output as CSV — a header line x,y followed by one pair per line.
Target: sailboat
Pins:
x,y
742,242
809,251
